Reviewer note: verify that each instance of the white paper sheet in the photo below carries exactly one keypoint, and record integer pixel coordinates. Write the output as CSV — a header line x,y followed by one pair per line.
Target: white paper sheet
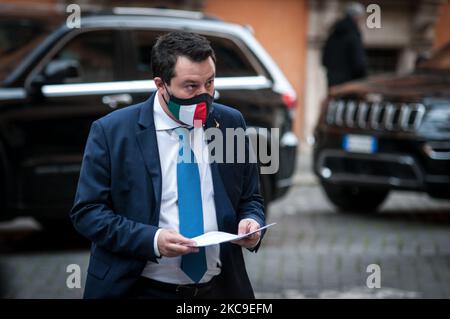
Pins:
x,y
218,237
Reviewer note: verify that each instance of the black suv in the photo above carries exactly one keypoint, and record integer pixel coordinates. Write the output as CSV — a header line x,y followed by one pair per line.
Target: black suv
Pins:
x,y
384,133
56,80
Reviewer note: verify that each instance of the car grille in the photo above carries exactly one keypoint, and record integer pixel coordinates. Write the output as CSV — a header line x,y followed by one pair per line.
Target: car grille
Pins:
x,y
375,115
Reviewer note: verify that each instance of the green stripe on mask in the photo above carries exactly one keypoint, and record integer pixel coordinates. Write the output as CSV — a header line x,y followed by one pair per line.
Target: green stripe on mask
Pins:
x,y
174,109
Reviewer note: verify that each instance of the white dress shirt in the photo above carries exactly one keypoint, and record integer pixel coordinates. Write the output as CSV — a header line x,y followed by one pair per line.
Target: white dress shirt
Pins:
x,y
168,268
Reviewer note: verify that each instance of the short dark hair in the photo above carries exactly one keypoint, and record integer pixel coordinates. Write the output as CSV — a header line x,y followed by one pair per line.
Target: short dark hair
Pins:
x,y
170,46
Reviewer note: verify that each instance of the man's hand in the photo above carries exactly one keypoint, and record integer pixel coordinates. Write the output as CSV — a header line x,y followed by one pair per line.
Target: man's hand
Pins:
x,y
246,226
172,244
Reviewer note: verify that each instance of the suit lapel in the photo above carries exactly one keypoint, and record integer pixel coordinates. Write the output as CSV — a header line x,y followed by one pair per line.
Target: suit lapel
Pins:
x,y
148,145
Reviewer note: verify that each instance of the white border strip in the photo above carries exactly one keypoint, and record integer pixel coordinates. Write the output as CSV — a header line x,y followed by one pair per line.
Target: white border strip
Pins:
x,y
251,82
13,94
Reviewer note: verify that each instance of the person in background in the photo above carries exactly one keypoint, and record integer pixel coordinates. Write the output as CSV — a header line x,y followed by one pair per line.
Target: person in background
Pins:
x,y
343,55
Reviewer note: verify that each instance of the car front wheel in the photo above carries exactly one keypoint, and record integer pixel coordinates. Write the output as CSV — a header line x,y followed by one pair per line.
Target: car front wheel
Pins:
x,y
355,198
2,198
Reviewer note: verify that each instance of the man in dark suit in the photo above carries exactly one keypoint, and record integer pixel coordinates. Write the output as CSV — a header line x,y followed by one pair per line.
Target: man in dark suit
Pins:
x,y
140,201
343,55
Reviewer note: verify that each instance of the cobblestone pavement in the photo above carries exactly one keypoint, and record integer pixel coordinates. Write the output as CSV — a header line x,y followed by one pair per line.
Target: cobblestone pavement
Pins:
x,y
312,252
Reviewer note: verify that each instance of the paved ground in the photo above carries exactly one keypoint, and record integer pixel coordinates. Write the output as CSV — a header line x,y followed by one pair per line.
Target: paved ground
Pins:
x,y
312,252
315,252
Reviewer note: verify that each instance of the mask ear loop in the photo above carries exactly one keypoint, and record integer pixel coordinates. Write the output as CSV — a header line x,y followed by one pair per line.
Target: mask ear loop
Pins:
x,y
167,103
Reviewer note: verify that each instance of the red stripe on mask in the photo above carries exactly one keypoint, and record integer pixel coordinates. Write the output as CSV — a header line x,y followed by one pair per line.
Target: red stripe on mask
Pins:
x,y
200,112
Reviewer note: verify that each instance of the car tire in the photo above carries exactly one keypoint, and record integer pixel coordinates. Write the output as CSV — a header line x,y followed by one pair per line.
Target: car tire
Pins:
x,y
355,198
2,198
3,213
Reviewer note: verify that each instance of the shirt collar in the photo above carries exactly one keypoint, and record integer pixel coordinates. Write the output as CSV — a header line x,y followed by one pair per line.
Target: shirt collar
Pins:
x,y
162,119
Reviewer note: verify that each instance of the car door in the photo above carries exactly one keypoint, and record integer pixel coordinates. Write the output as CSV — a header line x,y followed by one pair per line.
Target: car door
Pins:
x,y
75,84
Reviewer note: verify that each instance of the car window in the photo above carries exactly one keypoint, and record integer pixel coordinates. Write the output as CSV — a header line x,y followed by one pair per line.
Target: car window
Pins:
x,y
18,37
231,61
144,41
89,57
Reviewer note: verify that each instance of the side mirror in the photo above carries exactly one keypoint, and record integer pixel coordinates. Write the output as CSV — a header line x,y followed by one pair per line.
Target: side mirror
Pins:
x,y
57,71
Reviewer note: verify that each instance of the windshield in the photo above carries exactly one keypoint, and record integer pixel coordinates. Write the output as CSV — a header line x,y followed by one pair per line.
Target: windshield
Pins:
x,y
439,61
18,37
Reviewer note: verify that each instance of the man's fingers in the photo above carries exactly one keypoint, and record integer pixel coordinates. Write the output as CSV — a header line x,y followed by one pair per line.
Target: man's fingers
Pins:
x,y
178,249
176,238
243,227
173,250
172,244
255,235
247,226
253,227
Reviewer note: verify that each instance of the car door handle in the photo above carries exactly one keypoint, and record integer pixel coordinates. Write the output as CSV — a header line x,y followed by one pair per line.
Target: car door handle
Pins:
x,y
113,101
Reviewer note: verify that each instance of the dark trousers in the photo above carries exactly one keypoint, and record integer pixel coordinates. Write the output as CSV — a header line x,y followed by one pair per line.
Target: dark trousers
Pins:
x,y
146,288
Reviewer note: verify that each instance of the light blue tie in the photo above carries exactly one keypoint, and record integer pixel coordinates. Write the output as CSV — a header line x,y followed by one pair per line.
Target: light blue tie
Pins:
x,y
190,205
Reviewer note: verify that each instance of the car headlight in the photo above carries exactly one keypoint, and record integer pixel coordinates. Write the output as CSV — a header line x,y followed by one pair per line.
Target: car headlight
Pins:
x,y
437,120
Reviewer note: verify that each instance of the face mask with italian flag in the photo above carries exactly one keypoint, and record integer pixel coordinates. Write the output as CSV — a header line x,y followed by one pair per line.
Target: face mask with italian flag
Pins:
x,y
190,111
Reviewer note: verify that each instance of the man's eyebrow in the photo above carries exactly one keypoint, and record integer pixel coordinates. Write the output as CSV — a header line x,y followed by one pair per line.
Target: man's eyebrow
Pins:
x,y
189,81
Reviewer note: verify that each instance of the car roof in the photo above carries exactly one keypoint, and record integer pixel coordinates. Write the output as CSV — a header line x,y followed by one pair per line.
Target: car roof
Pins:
x,y
206,26
166,19
133,11
161,22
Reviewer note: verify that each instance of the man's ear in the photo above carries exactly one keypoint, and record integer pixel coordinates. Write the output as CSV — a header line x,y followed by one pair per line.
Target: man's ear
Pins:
x,y
159,83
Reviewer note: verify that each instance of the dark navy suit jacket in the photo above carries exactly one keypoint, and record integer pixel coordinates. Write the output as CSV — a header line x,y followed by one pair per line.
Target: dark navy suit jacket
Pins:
x,y
118,201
